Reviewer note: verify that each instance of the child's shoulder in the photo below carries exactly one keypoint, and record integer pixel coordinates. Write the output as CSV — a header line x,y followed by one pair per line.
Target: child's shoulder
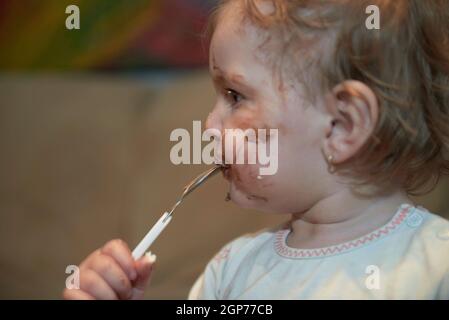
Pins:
x,y
431,244
429,240
434,229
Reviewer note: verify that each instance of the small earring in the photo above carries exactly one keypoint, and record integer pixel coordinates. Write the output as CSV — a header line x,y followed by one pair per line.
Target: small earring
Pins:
x,y
228,197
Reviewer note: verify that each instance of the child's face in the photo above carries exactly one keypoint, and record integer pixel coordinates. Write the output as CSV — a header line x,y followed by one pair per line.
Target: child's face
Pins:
x,y
249,96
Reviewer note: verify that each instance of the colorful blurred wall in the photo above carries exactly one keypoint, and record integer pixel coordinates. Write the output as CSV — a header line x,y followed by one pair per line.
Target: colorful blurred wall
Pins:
x,y
113,35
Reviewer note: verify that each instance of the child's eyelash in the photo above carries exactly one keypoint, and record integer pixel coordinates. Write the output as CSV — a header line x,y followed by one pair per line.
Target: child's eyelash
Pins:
x,y
233,96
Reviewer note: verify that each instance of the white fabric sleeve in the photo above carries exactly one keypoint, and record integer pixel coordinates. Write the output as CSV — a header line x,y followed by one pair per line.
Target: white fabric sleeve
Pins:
x,y
196,290
443,290
208,286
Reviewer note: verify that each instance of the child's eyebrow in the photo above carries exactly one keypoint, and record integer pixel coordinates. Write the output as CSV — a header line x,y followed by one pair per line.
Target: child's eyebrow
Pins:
x,y
222,76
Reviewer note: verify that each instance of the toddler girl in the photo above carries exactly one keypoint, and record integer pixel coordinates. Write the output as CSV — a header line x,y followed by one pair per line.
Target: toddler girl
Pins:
x,y
363,122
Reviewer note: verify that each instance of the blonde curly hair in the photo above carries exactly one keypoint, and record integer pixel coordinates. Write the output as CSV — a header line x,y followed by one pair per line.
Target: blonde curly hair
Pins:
x,y
405,63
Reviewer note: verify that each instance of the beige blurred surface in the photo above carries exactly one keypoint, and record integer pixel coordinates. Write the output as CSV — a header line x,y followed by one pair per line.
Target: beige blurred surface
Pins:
x,y
85,159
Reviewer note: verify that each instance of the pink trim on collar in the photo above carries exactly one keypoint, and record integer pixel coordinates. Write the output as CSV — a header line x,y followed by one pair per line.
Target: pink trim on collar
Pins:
x,y
282,249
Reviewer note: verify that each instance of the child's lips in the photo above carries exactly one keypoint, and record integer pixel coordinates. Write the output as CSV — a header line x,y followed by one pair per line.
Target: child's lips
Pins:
x,y
232,174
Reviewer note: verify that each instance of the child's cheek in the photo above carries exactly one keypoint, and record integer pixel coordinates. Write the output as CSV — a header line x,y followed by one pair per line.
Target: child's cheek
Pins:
x,y
247,119
255,118
247,176
249,122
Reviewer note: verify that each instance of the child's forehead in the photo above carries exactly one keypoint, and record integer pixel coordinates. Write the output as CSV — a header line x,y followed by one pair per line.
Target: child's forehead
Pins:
x,y
234,18
235,51
233,31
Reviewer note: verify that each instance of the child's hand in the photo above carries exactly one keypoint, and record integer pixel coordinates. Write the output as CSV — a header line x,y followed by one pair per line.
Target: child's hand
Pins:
x,y
112,273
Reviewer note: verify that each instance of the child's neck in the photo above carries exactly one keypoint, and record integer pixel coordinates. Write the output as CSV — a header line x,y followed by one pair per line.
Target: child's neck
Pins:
x,y
342,217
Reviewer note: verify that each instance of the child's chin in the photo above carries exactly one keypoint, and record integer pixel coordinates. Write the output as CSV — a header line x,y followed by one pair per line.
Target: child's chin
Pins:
x,y
245,200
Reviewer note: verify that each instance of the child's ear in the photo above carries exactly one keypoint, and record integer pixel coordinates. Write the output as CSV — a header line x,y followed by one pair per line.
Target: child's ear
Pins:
x,y
354,111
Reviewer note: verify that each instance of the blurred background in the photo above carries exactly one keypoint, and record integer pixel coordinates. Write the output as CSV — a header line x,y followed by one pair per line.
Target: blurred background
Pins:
x,y
85,119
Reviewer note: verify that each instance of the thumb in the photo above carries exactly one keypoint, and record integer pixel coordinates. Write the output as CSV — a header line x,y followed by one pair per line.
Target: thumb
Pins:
x,y
144,268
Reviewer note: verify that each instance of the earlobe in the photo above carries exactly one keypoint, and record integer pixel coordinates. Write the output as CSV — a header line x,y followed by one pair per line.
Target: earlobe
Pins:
x,y
353,111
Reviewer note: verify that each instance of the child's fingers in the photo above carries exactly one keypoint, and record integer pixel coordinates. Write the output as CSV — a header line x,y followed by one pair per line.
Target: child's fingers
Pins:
x,y
76,294
144,267
89,258
96,286
119,250
106,267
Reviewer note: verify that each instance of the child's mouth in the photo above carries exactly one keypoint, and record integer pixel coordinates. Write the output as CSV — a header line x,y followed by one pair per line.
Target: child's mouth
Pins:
x,y
227,172
229,175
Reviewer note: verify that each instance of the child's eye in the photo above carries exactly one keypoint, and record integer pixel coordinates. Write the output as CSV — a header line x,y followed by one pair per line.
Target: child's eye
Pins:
x,y
233,96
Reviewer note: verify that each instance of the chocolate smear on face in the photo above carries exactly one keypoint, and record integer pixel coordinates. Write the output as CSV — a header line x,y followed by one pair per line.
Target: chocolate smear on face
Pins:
x,y
254,197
